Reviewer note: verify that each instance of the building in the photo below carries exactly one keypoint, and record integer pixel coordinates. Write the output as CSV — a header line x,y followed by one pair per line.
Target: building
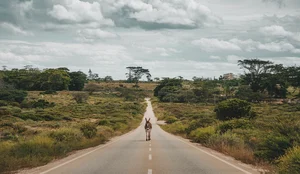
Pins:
x,y
228,76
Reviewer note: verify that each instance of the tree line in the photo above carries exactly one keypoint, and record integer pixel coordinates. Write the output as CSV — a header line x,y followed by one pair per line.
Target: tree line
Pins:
x,y
262,80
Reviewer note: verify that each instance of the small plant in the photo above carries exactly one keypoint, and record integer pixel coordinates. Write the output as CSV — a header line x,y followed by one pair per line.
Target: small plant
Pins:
x,y
80,97
271,147
202,135
290,162
233,108
42,104
66,135
13,95
48,92
171,119
89,130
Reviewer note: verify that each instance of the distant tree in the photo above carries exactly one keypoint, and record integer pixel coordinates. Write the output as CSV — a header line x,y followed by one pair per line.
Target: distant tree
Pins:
x,y
54,79
78,80
156,79
92,87
167,88
108,79
136,73
92,76
256,69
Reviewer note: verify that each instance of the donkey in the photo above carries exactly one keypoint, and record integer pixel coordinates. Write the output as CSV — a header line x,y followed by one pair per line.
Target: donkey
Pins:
x,y
148,127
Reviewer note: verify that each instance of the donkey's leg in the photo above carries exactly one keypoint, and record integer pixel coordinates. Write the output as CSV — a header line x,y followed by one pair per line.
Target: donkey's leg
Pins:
x,y
146,135
149,134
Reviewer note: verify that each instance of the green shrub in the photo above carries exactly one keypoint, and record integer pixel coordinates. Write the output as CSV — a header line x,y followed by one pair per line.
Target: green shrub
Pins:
x,y
176,128
290,162
15,104
80,97
234,124
66,135
4,112
13,95
232,108
271,147
200,123
49,92
89,130
202,135
104,122
42,104
227,139
170,119
3,103
39,146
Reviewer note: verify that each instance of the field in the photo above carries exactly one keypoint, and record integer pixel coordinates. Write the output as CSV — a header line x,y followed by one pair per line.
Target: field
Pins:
x,y
260,141
50,126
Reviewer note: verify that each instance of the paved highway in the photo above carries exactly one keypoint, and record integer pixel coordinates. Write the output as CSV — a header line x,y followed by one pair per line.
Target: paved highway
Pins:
x,y
131,154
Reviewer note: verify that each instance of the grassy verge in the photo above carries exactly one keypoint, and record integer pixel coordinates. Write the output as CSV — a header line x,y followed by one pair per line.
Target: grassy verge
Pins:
x,y
31,136
262,141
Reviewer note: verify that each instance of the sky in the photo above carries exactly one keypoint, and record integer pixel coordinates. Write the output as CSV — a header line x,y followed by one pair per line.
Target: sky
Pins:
x,y
203,38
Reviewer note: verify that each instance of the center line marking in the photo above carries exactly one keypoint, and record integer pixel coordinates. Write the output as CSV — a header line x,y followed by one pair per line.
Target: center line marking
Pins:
x,y
149,171
150,157
150,145
150,149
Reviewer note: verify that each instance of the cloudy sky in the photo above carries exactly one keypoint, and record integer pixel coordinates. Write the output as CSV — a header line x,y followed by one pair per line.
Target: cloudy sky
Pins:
x,y
169,37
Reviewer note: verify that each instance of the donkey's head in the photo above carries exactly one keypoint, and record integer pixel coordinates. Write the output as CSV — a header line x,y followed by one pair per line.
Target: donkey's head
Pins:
x,y
147,121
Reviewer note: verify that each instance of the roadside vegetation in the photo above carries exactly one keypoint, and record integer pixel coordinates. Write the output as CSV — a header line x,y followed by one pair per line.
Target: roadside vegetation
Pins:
x,y
41,119
254,118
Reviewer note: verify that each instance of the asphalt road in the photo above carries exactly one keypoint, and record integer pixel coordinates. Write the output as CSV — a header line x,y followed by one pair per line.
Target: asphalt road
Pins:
x,y
131,154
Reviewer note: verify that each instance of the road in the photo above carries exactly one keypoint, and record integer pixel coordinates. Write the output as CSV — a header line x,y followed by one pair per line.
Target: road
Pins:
x,y
131,154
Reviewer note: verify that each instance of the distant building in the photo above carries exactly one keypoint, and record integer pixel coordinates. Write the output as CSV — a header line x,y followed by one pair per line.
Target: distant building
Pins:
x,y
228,76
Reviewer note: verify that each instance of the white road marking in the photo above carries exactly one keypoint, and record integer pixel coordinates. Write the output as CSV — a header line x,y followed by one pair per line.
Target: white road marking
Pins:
x,y
150,149
232,165
150,145
149,171
150,157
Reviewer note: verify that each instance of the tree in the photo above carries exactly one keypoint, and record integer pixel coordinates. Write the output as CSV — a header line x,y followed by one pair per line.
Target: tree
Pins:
x,y
78,80
92,76
54,79
136,73
256,68
108,79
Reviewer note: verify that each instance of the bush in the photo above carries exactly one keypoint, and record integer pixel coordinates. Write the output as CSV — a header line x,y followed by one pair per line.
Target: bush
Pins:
x,y
3,103
234,124
201,135
42,104
92,87
49,92
290,162
170,119
233,108
227,139
200,123
66,135
271,147
104,122
13,95
80,97
89,130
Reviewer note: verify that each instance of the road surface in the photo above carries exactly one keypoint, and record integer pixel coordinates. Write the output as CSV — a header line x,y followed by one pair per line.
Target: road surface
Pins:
x,y
131,154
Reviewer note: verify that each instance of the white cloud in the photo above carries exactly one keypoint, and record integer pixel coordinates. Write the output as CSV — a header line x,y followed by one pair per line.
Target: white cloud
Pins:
x,y
94,34
234,58
8,27
278,47
215,57
279,31
78,11
180,13
211,45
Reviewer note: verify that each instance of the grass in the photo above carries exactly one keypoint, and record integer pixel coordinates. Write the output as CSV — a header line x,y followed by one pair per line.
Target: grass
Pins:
x,y
30,137
259,141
